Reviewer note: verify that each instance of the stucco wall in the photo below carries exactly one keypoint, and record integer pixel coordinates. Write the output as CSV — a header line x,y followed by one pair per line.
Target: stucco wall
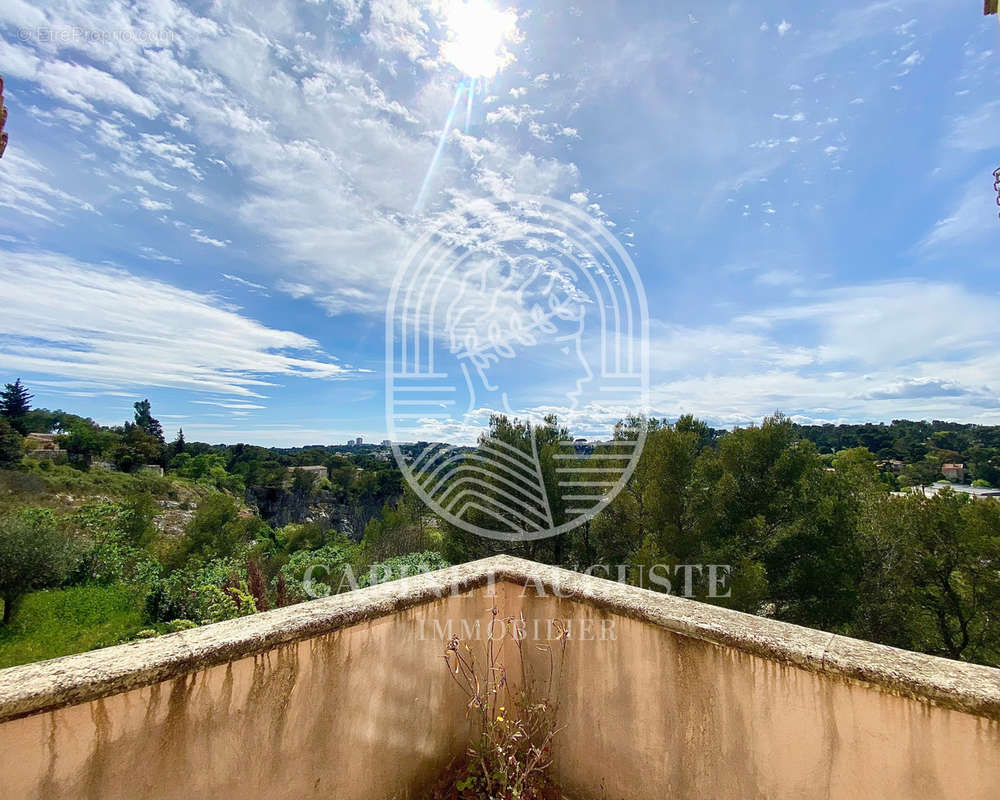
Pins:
x,y
653,714
365,712
347,698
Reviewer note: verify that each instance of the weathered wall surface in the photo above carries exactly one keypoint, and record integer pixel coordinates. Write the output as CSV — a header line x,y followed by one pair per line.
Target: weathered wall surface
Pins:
x,y
653,714
348,698
366,712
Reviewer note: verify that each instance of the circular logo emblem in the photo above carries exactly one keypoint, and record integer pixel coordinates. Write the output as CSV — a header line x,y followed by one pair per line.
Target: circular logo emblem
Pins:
x,y
504,323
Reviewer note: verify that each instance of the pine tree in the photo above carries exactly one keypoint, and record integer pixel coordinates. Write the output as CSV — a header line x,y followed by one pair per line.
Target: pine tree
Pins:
x,y
15,403
145,420
178,445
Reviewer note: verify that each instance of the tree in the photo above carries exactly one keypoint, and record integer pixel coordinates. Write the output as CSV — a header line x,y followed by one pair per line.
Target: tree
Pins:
x,y
84,441
10,445
136,448
145,420
219,530
15,402
34,553
932,576
178,445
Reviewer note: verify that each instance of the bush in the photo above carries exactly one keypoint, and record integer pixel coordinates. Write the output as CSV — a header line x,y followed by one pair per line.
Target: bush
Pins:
x,y
402,567
115,536
35,553
189,592
219,530
316,573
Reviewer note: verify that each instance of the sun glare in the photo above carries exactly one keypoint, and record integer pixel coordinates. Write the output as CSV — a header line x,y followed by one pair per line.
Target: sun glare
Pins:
x,y
478,33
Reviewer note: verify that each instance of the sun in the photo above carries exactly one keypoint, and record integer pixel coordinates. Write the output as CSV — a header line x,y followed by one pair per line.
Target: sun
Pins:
x,y
478,33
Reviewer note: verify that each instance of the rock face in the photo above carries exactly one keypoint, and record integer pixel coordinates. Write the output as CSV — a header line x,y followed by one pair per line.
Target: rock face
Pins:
x,y
281,506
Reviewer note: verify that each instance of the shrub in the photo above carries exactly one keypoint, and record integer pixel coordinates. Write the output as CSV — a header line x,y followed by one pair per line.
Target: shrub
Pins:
x,y
182,594
229,602
219,530
35,552
114,537
402,567
316,573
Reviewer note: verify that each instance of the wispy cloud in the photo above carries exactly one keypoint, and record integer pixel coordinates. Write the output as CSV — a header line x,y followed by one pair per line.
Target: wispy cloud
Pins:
x,y
103,326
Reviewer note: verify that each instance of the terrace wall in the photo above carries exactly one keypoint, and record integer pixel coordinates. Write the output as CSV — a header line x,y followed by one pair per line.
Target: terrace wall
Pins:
x,y
347,698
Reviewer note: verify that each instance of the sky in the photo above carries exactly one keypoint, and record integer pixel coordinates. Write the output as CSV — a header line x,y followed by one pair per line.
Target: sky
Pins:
x,y
206,203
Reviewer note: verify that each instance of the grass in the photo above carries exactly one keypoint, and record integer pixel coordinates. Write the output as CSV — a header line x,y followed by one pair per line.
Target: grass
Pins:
x,y
57,622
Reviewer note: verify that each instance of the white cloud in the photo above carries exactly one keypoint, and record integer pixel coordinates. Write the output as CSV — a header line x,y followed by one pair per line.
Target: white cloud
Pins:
x,y
150,204
861,350
74,84
974,218
28,189
974,132
256,288
784,27
201,236
108,328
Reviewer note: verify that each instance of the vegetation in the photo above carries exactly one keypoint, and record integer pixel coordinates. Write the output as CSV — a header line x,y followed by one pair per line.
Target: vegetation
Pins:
x,y
35,553
15,403
58,622
802,524
515,715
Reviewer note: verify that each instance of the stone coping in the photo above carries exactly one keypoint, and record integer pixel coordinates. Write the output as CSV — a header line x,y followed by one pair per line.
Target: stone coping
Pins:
x,y
48,685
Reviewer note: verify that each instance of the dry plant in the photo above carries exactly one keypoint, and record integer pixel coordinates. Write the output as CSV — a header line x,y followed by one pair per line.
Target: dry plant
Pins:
x,y
515,714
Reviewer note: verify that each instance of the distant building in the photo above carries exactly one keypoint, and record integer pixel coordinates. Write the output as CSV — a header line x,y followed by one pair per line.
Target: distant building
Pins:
x,y
359,441
386,443
893,465
41,441
319,471
954,472
43,446
977,492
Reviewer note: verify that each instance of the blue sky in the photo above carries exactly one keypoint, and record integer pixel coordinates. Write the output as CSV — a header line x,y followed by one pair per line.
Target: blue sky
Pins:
x,y
206,203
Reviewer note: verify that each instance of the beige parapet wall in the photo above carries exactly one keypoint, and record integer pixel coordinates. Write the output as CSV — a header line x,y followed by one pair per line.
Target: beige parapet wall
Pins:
x,y
346,697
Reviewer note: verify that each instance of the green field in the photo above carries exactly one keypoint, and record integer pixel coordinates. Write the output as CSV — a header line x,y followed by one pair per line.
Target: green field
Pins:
x,y
58,622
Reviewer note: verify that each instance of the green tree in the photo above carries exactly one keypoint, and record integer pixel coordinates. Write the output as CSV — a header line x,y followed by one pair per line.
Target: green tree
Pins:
x,y
145,420
219,530
178,445
10,445
135,448
35,553
15,403
396,531
932,576
84,441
